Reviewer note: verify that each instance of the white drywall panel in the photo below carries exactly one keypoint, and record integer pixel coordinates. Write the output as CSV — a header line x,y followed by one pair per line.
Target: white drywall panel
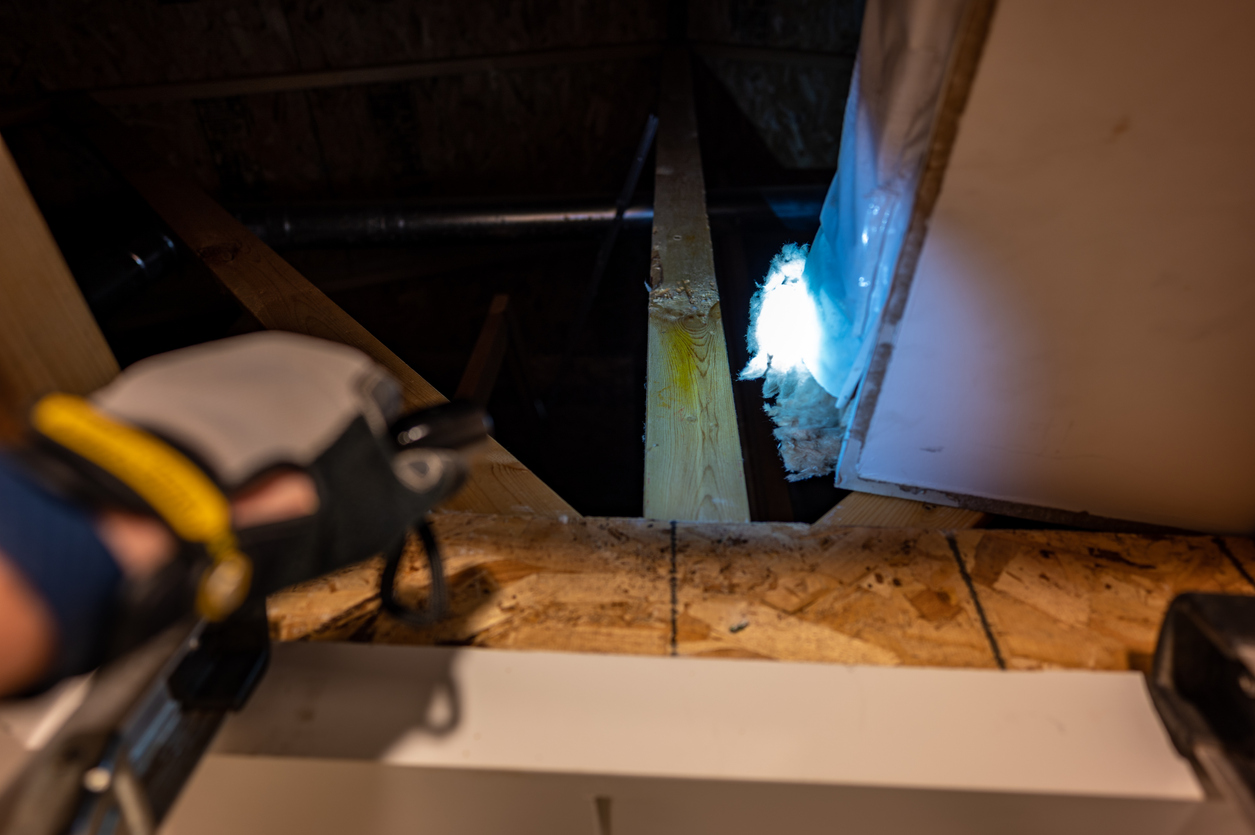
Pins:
x,y
243,795
1080,333
1075,733
376,739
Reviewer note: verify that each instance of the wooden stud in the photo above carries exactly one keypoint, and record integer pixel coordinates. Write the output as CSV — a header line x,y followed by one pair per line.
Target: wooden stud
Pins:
x,y
480,375
783,591
869,510
48,338
693,467
282,299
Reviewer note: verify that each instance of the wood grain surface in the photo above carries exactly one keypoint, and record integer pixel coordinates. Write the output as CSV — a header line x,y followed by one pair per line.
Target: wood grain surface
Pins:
x,y
1023,599
693,466
282,299
868,510
1095,601
49,340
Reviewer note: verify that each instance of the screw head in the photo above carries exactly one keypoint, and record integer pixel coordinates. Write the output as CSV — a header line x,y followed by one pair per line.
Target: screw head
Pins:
x,y
97,780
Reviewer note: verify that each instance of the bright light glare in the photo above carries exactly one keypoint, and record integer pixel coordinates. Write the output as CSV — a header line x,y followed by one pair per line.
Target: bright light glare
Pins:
x,y
786,328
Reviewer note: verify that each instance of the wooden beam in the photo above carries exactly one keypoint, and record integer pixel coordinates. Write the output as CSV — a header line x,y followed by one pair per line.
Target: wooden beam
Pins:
x,y
48,338
414,70
480,375
282,299
867,510
785,591
832,61
693,467
387,74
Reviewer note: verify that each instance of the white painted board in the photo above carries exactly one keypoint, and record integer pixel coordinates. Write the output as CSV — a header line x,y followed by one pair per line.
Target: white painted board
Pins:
x,y
1080,331
1063,732
353,738
392,739
244,795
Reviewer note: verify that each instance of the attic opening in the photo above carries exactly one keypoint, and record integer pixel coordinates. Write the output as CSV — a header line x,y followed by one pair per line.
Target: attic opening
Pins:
x,y
463,129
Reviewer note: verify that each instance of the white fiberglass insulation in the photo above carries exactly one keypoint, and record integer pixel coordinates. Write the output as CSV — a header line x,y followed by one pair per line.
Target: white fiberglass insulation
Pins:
x,y
814,319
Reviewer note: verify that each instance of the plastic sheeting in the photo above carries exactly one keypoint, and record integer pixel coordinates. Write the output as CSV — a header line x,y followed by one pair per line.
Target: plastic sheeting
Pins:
x,y
894,95
889,117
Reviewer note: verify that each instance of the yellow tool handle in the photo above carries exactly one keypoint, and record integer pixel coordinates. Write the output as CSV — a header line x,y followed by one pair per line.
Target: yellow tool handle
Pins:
x,y
179,491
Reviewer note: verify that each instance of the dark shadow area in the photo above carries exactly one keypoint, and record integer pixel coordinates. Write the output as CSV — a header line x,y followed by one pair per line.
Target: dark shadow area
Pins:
x,y
469,591
308,704
560,131
734,154
428,303
148,295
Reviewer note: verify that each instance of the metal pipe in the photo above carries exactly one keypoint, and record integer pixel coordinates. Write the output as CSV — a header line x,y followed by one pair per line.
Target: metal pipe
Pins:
x,y
352,224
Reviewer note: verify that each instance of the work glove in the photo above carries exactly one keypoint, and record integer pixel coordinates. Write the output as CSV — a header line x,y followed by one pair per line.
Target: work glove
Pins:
x,y
176,434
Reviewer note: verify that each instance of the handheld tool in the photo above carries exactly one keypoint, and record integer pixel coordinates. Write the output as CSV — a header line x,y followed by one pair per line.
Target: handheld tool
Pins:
x,y
172,438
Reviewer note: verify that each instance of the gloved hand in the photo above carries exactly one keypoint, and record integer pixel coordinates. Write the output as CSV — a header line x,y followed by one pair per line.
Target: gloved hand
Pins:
x,y
174,435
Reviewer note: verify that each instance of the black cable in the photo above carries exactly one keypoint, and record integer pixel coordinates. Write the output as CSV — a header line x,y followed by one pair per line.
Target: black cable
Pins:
x,y
437,599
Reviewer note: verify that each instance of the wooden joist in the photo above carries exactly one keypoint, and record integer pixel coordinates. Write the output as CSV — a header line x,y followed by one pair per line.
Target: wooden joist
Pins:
x,y
48,338
385,74
693,467
282,299
480,375
868,510
1023,599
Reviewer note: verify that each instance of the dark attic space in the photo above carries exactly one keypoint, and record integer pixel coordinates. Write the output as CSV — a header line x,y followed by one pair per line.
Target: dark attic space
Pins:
x,y
661,417
443,171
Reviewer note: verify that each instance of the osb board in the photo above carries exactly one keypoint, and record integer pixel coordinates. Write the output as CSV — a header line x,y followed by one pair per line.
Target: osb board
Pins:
x,y
487,133
782,591
67,44
513,581
857,595
771,96
1088,600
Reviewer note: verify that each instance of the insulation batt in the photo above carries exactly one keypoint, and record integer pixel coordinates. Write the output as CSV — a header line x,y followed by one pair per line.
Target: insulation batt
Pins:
x,y
785,327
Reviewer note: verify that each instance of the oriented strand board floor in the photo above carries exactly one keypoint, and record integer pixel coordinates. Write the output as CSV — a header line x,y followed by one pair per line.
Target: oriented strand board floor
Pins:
x,y
1022,599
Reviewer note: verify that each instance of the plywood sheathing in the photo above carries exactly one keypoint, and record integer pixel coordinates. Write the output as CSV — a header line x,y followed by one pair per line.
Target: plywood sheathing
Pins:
x,y
498,65
783,591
